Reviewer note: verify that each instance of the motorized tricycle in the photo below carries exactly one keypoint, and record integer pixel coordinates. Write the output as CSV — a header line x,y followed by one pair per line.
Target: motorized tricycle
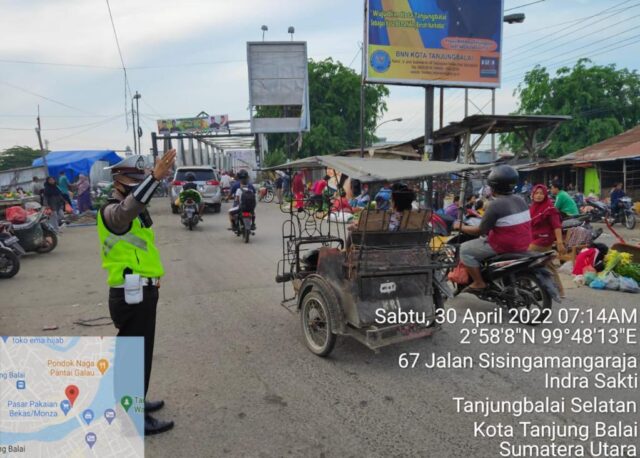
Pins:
x,y
364,280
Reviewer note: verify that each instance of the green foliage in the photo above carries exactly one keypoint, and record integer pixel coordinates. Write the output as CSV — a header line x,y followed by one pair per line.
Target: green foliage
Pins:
x,y
334,98
602,100
275,157
18,156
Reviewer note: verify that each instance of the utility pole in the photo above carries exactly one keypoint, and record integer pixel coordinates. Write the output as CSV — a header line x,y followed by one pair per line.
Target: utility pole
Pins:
x,y
133,127
362,64
138,131
42,150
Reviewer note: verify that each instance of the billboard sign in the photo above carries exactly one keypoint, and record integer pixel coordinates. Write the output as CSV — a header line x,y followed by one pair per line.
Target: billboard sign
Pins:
x,y
434,42
193,125
279,77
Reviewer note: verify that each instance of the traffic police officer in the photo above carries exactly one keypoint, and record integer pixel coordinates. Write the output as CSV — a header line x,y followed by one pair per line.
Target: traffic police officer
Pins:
x,y
132,260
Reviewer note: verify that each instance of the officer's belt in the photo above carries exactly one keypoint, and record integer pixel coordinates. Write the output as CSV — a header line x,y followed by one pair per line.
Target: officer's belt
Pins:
x,y
147,282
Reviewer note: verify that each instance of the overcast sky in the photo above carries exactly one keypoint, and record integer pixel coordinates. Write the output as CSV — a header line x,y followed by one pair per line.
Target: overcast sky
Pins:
x,y
189,55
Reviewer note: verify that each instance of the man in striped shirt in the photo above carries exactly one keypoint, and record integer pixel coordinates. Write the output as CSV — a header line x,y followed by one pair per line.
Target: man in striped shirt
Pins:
x,y
506,225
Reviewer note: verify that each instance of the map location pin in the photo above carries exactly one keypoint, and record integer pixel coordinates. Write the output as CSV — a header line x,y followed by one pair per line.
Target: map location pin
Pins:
x,y
103,365
65,405
72,393
110,415
90,439
126,402
87,415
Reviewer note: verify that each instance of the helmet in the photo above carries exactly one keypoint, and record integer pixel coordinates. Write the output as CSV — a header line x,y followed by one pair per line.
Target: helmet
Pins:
x,y
190,177
129,172
242,175
503,179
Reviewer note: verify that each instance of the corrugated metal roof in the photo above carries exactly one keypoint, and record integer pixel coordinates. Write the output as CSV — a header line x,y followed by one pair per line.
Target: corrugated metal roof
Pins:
x,y
623,146
372,170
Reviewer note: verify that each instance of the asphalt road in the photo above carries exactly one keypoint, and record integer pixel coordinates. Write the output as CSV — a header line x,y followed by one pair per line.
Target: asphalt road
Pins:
x,y
231,364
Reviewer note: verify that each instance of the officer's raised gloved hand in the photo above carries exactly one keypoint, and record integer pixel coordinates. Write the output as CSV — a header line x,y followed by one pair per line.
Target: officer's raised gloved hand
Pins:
x,y
164,165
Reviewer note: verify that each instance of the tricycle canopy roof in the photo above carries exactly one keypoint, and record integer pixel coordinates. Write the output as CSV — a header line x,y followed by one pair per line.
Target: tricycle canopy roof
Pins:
x,y
369,170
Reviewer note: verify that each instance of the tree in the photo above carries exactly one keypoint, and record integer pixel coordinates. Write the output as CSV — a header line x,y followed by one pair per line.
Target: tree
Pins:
x,y
18,156
602,100
334,99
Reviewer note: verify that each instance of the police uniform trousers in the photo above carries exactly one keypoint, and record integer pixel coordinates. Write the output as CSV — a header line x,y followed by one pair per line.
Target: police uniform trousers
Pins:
x,y
137,320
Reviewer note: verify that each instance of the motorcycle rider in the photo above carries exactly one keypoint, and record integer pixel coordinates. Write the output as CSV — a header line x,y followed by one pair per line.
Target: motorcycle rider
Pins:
x,y
506,223
616,195
190,185
239,187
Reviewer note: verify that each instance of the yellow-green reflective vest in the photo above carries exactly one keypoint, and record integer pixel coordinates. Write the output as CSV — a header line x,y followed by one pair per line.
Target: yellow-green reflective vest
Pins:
x,y
134,250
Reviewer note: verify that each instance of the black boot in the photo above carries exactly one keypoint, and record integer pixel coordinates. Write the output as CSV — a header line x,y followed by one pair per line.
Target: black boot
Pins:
x,y
154,426
153,406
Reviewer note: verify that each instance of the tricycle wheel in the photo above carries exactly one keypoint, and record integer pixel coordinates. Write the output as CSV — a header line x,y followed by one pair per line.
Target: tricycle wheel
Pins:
x,y
317,324
50,241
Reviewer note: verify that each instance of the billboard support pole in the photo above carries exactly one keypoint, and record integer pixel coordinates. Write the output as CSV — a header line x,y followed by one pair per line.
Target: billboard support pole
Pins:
x,y
154,147
441,107
362,60
466,103
493,113
428,137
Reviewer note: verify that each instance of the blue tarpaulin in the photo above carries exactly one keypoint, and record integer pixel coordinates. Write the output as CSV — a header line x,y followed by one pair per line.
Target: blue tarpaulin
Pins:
x,y
73,163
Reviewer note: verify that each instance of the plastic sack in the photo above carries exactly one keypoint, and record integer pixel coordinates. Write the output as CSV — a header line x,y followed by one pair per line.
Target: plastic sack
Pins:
x,y
16,215
629,285
589,277
341,217
598,283
459,275
566,268
611,281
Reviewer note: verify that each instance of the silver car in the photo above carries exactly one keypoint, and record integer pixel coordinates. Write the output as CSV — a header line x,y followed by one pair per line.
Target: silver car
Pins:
x,y
208,181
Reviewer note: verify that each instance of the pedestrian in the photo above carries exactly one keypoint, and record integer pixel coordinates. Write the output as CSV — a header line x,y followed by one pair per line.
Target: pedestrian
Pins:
x,y
546,228
37,188
383,197
286,185
452,209
278,185
317,191
563,201
83,193
130,256
298,190
63,184
54,201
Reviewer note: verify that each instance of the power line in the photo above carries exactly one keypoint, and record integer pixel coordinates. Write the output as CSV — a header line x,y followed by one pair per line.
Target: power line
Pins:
x,y
44,97
599,40
124,68
522,6
101,123
547,36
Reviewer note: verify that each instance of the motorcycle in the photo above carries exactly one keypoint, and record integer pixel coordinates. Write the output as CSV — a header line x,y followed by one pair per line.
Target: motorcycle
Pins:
x,y
267,192
517,282
36,234
601,212
190,216
242,225
10,252
625,214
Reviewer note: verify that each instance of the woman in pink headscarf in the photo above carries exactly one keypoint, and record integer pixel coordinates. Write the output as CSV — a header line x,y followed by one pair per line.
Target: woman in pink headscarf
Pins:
x,y
83,189
546,227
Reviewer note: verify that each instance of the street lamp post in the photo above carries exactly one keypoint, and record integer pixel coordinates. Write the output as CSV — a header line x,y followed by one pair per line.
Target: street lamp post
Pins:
x,y
389,120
